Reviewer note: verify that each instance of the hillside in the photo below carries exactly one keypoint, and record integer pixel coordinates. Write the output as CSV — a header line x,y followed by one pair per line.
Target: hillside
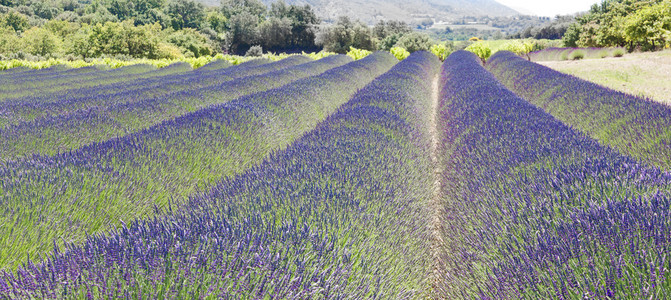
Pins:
x,y
372,11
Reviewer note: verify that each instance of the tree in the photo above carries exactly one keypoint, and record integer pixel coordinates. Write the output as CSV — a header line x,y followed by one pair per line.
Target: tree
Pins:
x,y
414,42
243,30
649,27
572,35
217,21
186,14
386,29
46,9
275,33
362,37
191,42
17,21
39,41
121,39
346,34
231,8
9,41
303,23
389,42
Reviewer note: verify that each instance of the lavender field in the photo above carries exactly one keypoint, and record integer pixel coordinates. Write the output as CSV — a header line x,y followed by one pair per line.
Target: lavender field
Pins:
x,y
331,179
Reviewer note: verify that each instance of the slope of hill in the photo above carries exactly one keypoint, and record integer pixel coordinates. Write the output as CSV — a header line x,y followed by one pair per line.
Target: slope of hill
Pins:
x,y
414,11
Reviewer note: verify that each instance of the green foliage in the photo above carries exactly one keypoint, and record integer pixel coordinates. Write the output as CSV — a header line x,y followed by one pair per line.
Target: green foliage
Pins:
x,y
191,42
518,47
572,35
346,34
400,53
644,24
235,7
159,63
357,54
577,55
39,41
185,14
619,52
442,50
388,33
414,41
9,41
481,49
216,21
388,42
123,39
649,27
254,51
16,21
275,32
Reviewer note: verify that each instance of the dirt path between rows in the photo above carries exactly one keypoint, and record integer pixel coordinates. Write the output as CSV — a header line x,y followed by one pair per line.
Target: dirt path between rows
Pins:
x,y
436,202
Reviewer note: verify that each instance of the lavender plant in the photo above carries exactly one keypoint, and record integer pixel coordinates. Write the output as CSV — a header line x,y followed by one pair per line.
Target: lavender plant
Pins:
x,y
87,76
97,119
636,127
537,210
61,199
338,214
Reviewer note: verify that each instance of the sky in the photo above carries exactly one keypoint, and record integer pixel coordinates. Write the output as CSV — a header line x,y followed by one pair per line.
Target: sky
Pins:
x,y
549,8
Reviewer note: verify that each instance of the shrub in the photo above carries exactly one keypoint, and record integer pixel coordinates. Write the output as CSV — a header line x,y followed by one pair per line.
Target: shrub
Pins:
x,y
619,52
603,54
357,54
399,53
414,42
441,50
481,49
254,51
39,41
577,55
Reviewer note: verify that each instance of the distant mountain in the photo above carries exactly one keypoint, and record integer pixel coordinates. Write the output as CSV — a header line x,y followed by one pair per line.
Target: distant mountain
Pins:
x,y
413,11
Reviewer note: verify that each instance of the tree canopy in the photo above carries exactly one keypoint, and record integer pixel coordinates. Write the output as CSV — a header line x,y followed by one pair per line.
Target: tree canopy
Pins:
x,y
643,24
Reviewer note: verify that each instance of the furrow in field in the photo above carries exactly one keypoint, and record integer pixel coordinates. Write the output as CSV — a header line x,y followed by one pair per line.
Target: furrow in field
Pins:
x,y
49,136
636,127
536,208
60,199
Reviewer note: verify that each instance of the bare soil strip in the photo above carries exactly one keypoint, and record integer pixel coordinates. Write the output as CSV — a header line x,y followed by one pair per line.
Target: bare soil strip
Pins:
x,y
436,202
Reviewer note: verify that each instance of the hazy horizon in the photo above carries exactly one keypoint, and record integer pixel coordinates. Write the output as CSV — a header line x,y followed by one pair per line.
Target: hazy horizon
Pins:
x,y
549,8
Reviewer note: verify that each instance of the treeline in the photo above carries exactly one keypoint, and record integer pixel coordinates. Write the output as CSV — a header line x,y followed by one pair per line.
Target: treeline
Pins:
x,y
643,24
159,29
346,34
553,30
151,28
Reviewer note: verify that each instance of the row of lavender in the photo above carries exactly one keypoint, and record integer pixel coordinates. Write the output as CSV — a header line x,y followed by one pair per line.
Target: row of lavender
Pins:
x,y
77,96
21,85
341,213
95,118
637,127
555,54
535,209
89,190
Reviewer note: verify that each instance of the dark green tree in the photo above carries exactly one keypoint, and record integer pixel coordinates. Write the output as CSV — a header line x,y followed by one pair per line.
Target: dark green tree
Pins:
x,y
414,41
17,21
234,7
186,14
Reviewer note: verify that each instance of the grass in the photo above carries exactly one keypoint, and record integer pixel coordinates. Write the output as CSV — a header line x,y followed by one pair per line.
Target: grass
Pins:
x,y
642,74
